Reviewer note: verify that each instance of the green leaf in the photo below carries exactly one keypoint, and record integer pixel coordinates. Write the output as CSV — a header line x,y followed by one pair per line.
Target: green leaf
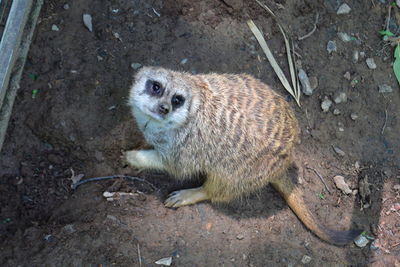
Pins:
x,y
393,4
34,93
321,196
386,33
396,64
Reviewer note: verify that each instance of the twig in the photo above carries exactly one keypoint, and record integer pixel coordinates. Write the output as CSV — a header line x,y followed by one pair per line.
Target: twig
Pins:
x,y
384,125
312,31
320,177
388,17
138,252
74,186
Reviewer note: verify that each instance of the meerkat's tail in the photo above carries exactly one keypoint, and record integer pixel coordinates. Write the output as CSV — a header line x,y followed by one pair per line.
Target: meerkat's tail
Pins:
x,y
293,197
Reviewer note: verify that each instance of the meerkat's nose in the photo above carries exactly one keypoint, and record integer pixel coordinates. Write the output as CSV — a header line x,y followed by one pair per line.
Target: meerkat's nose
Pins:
x,y
163,109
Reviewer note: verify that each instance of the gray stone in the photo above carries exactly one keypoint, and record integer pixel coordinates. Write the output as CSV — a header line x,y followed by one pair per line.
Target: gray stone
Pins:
x,y
371,63
384,88
87,21
331,47
343,9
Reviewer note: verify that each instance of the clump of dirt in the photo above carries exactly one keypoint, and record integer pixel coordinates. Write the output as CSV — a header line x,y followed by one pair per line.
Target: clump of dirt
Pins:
x,y
79,120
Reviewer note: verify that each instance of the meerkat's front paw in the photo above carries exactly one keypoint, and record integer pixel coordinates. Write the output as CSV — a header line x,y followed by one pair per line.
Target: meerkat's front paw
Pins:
x,y
131,158
185,197
146,159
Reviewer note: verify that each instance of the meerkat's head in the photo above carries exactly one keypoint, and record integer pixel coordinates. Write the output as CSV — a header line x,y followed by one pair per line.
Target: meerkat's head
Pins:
x,y
162,95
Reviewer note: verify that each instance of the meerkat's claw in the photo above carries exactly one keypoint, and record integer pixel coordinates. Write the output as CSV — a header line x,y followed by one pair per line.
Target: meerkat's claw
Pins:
x,y
185,197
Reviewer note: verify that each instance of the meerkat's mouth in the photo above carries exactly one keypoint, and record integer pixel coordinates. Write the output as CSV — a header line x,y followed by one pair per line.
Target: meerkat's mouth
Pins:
x,y
153,115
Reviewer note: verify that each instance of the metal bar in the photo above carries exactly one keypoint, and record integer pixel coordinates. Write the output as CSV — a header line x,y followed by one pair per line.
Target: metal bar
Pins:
x,y
10,42
23,48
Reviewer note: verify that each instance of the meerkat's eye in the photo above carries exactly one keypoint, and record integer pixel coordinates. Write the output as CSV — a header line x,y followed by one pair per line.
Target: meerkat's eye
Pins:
x,y
177,101
154,88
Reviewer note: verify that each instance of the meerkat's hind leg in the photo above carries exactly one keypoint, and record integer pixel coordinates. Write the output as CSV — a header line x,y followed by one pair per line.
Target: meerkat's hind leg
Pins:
x,y
146,159
186,197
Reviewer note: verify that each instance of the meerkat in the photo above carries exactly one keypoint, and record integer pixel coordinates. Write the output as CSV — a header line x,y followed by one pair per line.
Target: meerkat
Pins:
x,y
232,128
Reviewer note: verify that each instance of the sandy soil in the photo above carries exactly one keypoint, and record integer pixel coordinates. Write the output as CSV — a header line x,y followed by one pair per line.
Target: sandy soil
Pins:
x,y
79,121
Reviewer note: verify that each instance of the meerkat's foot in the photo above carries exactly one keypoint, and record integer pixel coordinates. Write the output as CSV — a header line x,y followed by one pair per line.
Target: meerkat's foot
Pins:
x,y
186,197
146,159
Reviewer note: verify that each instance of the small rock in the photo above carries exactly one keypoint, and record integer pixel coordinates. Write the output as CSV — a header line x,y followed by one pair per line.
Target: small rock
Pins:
x,y
347,76
306,259
355,192
343,9
353,116
135,66
55,28
396,187
313,82
113,218
361,241
87,21
49,238
69,229
326,104
66,6
331,47
305,83
339,151
357,165
336,112
355,56
239,237
340,98
362,54
341,184
371,63
384,88
344,36
184,61
164,261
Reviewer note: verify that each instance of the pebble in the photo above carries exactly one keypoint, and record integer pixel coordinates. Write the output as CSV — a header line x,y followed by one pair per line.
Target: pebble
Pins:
x,y
55,28
326,104
339,151
239,237
344,37
331,47
355,56
66,6
164,261
69,229
343,9
340,98
347,75
361,241
135,65
184,61
305,83
362,54
342,185
384,88
336,111
87,21
371,63
306,259
353,116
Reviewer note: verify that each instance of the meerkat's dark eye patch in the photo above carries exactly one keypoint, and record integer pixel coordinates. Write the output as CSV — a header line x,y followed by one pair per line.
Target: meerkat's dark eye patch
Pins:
x,y
177,101
154,88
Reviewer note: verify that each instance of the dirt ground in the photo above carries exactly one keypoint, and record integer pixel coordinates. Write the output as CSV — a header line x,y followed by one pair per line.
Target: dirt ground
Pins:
x,y
79,121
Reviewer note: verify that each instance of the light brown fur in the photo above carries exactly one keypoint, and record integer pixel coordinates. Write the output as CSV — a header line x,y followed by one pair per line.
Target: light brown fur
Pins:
x,y
236,130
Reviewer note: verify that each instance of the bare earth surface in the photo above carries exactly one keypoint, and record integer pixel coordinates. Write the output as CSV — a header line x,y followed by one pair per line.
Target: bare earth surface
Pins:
x,y
79,121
